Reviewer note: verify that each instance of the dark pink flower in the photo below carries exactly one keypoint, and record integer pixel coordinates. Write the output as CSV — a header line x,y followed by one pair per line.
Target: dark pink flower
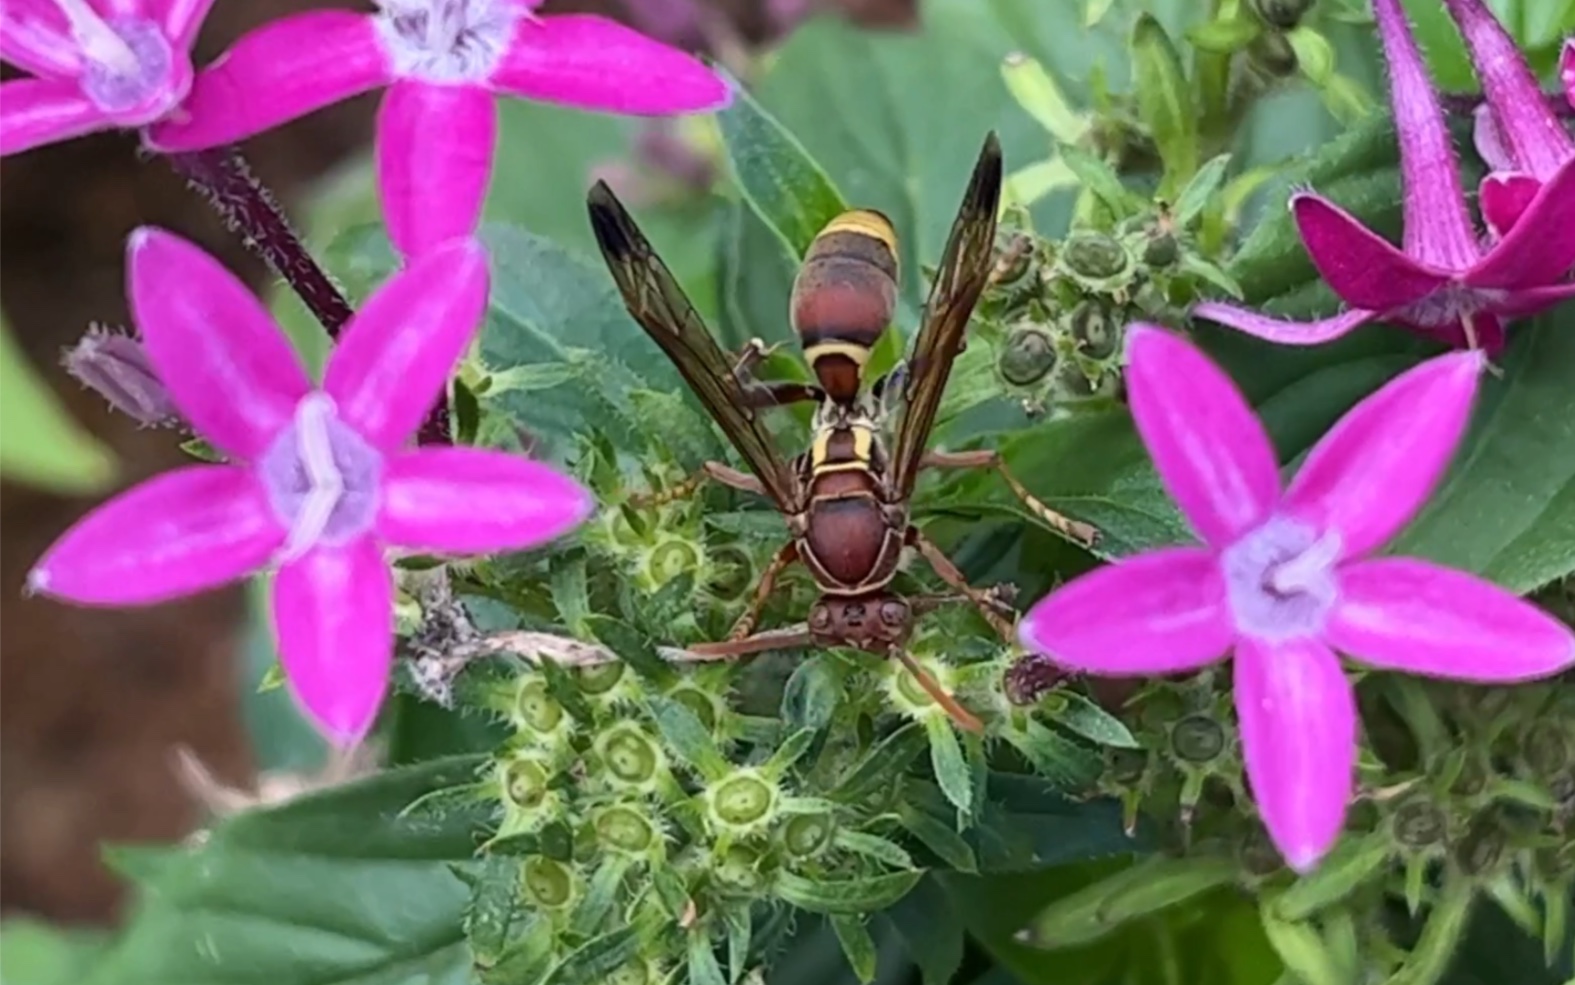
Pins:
x,y
1525,143
443,62
1445,283
322,483
97,65
1285,579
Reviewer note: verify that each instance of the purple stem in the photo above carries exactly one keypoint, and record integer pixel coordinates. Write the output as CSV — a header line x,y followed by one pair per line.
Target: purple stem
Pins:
x,y
249,208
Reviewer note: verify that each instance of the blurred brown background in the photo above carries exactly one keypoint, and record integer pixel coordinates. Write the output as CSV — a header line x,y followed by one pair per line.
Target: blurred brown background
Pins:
x,y
91,702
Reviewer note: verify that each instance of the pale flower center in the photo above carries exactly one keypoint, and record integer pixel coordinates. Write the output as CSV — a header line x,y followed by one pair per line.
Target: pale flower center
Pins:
x,y
447,41
322,478
1280,579
1451,305
128,66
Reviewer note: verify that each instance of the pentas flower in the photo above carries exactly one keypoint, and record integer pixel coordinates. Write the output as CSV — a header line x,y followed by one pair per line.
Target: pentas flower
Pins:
x,y
322,484
1285,579
1444,284
97,65
1567,70
1519,136
443,62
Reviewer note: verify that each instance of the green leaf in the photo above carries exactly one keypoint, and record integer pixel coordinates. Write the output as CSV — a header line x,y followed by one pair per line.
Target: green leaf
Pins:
x,y
875,847
34,953
812,693
938,837
1195,197
889,758
493,908
776,175
857,945
931,930
687,737
1080,715
1037,92
336,887
597,958
1226,36
849,896
703,966
952,771
1314,54
39,442
1164,101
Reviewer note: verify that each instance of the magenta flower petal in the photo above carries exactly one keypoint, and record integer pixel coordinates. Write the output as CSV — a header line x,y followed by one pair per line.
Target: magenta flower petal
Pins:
x,y
1504,197
35,112
1370,474
1530,301
432,190
598,64
1488,140
1362,267
1412,616
35,37
469,501
282,70
1211,452
1160,612
333,611
1540,248
1532,133
396,354
1438,230
1567,70
1278,330
180,19
224,361
185,531
1298,736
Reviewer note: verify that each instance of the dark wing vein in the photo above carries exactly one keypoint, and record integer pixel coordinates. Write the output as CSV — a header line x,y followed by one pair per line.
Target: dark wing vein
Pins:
x,y
660,306
964,271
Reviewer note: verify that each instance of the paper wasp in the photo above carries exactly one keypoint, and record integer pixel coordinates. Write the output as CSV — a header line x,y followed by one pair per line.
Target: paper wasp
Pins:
x,y
846,500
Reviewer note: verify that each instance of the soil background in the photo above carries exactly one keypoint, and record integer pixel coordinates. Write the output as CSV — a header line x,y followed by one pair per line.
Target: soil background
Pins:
x,y
92,701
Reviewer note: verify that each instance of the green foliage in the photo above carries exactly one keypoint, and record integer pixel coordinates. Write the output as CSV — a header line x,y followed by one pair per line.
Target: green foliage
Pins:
x,y
41,445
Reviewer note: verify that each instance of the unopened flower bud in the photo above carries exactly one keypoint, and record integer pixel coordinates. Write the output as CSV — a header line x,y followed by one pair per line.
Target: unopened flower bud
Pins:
x,y
1124,767
1481,848
1097,335
525,783
739,871
1283,14
702,703
1271,52
1029,678
632,758
1072,382
1545,748
548,884
671,559
536,709
1099,261
601,678
1418,823
115,365
807,835
625,829
742,801
1027,356
1197,739
1160,249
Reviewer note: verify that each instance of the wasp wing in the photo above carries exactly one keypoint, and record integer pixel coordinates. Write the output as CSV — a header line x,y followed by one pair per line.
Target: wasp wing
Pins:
x,y
656,301
964,271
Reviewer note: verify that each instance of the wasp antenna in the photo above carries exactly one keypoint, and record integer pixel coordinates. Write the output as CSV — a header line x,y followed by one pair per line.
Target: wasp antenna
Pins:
x,y
964,718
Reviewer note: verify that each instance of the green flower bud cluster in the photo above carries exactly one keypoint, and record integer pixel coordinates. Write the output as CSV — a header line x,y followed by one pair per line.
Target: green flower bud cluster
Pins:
x,y
1465,793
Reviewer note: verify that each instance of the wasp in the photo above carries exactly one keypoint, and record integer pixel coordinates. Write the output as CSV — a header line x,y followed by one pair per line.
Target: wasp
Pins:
x,y
845,500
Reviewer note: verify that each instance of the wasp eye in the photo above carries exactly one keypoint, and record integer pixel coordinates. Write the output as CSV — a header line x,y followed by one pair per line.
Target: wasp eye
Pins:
x,y
893,613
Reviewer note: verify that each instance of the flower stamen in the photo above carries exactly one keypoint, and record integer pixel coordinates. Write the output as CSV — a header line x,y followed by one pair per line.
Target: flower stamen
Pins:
x,y
1307,571
98,40
325,483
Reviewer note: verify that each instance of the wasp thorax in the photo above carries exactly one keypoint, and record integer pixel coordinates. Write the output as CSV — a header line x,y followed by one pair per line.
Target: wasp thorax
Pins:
x,y
1096,333
1197,739
1028,354
742,801
548,883
807,835
536,709
525,783
1283,14
632,758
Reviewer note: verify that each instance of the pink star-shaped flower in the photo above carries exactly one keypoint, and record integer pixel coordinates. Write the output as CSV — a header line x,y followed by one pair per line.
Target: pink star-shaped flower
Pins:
x,y
323,484
1516,133
1445,284
444,61
1284,580
97,65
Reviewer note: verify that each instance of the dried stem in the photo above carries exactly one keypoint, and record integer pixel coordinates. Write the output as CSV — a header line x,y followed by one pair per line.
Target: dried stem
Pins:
x,y
250,209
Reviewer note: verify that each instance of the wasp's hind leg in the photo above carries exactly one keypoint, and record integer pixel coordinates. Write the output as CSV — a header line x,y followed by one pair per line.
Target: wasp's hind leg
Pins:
x,y
988,601
1071,529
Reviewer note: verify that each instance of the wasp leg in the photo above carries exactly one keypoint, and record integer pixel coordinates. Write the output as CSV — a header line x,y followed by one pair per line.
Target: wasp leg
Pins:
x,y
987,601
787,638
709,472
1080,533
964,718
767,393
763,589
1001,597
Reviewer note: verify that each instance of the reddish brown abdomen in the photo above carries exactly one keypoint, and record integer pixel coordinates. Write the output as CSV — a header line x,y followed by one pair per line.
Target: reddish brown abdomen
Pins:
x,y
844,297
847,536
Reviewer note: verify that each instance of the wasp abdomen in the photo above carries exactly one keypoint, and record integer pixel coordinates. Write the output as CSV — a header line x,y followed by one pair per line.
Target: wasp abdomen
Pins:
x,y
844,297
847,537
